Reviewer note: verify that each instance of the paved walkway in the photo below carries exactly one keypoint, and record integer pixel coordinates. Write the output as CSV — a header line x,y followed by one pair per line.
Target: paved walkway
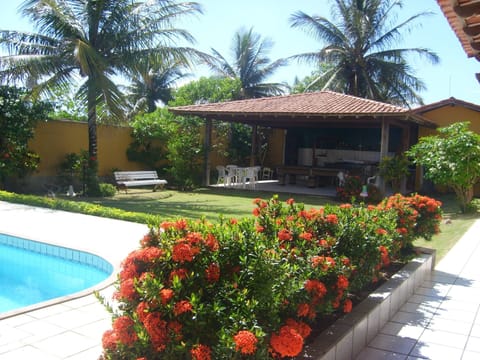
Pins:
x,y
438,322
441,320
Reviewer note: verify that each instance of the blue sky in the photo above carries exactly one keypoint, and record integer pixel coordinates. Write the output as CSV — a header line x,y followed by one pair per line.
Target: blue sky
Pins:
x,y
454,76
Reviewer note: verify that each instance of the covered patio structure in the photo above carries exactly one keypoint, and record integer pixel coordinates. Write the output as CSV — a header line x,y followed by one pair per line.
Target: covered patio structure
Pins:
x,y
321,132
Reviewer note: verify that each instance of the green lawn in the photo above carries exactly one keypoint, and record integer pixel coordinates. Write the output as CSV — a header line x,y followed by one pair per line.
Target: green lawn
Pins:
x,y
202,202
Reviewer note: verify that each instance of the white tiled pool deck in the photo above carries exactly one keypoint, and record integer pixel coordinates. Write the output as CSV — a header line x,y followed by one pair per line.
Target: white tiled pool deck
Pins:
x,y
440,321
73,328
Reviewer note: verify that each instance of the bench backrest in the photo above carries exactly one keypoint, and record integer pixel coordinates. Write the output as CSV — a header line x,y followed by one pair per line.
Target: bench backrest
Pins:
x,y
135,175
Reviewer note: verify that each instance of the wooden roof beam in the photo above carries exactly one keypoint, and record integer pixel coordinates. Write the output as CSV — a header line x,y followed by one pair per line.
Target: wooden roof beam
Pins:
x,y
472,25
466,8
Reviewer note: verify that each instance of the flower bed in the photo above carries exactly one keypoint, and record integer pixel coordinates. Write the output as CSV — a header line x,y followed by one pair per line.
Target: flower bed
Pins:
x,y
253,288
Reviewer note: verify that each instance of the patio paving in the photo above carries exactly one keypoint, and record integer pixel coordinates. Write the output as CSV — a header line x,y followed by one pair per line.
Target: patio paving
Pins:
x,y
440,321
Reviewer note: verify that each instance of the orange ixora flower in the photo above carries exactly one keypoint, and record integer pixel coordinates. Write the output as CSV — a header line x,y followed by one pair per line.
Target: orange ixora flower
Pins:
x,y
183,252
109,340
166,295
245,342
212,243
212,273
285,235
332,219
123,327
201,352
306,236
303,329
315,287
342,282
288,342
381,231
182,307
157,330
178,273
347,306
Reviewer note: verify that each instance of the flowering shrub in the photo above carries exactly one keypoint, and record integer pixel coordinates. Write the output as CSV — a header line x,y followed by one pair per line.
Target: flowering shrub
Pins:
x,y
351,188
247,288
417,216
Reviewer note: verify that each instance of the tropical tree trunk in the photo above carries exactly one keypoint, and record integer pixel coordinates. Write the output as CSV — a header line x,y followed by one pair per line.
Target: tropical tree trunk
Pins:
x,y
464,196
91,175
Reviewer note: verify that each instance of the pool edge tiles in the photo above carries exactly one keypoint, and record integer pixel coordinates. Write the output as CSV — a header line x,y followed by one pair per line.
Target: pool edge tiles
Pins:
x,y
76,256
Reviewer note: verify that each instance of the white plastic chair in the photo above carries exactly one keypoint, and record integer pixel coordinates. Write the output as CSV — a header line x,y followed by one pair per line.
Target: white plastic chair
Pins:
x,y
341,178
251,173
231,176
267,173
375,180
221,174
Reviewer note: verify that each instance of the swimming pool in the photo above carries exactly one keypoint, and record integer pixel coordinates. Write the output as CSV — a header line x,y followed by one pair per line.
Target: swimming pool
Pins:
x,y
32,272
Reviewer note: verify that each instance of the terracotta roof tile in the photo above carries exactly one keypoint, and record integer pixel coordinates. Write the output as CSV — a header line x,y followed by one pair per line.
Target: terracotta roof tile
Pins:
x,y
447,102
315,103
457,23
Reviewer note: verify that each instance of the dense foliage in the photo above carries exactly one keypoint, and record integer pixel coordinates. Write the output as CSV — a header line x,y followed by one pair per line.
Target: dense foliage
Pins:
x,y
18,117
170,144
253,288
451,158
250,64
94,41
359,48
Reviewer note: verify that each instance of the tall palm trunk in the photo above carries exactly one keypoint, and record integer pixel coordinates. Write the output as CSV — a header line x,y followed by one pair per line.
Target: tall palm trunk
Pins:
x,y
91,172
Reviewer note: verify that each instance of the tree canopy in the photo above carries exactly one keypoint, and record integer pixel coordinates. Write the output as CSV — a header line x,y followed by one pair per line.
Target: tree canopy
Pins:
x,y
359,46
93,41
18,117
451,158
250,64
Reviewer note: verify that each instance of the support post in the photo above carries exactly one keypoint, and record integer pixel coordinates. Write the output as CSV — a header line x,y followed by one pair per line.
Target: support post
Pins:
x,y
207,145
254,145
384,141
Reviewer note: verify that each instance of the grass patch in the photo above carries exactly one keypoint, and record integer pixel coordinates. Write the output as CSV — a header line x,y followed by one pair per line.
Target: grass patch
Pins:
x,y
454,225
204,202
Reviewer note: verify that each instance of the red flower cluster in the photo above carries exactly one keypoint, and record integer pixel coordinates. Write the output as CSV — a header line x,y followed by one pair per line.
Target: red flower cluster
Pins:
x,y
124,331
166,295
288,342
212,273
384,255
245,342
347,306
182,307
316,288
201,352
157,330
285,235
332,219
303,329
325,262
183,252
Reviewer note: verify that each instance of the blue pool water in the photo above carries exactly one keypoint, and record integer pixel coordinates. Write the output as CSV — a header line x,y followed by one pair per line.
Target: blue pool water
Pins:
x,y
32,272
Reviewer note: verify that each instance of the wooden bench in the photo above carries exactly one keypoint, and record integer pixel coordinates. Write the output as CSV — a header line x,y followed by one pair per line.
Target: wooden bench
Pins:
x,y
126,179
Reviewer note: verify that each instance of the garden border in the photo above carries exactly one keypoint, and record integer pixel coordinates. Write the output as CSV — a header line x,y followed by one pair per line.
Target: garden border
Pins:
x,y
350,334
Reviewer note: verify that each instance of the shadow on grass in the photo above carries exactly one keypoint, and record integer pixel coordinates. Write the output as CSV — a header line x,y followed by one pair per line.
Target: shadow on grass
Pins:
x,y
208,202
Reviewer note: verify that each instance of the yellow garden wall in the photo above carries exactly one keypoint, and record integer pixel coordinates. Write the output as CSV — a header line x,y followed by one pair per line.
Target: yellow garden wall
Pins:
x,y
56,138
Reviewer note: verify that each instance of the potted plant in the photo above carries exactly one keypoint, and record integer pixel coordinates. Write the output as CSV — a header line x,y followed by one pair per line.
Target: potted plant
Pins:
x,y
393,169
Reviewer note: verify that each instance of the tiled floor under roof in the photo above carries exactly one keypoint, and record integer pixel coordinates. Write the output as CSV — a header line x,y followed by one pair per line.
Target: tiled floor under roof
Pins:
x,y
440,321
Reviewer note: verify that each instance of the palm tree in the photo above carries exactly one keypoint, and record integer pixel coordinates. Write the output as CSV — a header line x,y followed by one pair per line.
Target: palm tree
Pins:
x,y
250,64
152,81
93,40
359,46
